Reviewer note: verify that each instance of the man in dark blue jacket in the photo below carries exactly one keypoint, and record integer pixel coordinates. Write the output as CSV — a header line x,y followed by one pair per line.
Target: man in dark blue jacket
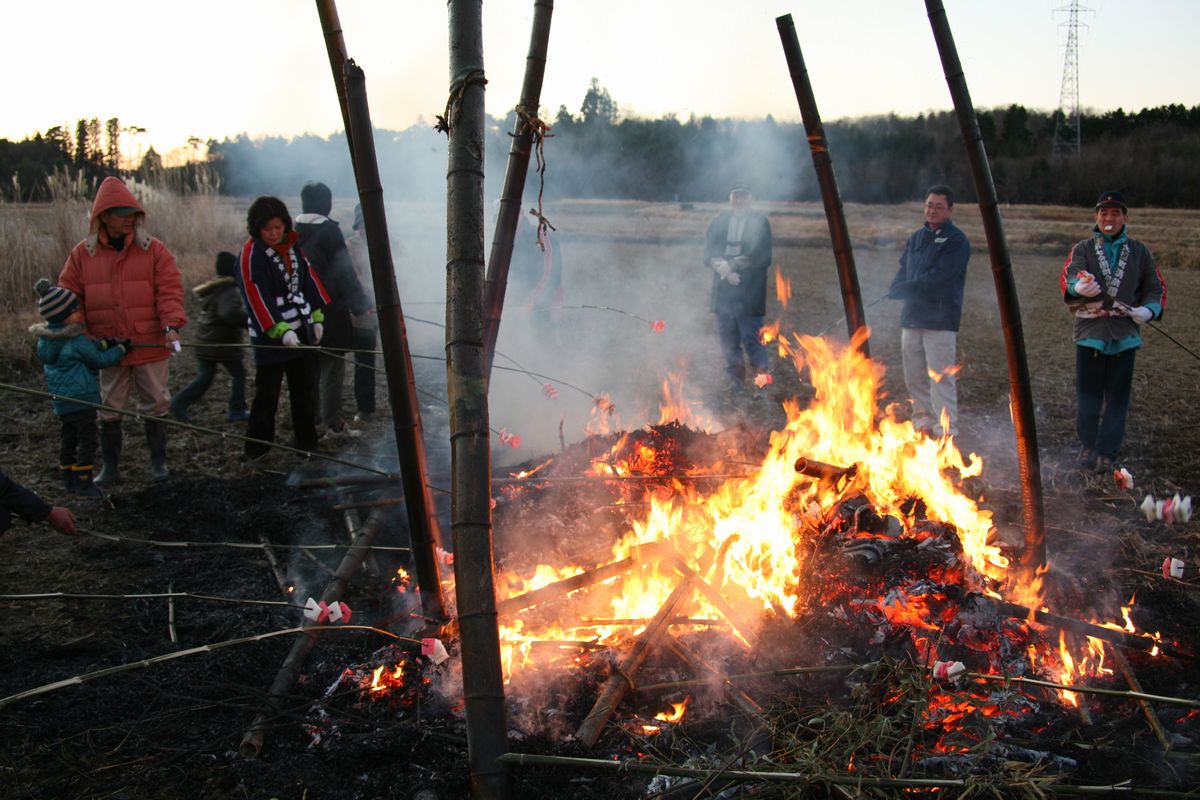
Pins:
x,y
930,281
16,499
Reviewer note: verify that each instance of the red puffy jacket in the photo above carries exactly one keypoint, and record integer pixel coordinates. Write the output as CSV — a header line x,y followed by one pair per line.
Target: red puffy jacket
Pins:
x,y
131,293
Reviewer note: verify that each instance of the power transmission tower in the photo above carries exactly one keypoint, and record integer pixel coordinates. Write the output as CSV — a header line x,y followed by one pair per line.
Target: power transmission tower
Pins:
x,y
1066,126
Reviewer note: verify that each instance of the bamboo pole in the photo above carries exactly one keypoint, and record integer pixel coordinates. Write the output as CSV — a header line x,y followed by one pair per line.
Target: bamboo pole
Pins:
x,y
621,681
858,781
401,384
352,561
1130,678
1033,560
335,47
466,382
843,250
742,627
514,180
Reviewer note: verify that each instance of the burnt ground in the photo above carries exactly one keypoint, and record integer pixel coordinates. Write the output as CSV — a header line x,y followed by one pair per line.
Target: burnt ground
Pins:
x,y
173,729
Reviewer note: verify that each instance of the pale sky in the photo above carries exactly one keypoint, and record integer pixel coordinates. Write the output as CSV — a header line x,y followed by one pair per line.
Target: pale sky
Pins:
x,y
221,67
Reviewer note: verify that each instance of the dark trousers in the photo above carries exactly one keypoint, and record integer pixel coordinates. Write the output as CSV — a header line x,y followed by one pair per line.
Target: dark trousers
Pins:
x,y
301,373
737,332
206,370
1103,386
79,438
364,370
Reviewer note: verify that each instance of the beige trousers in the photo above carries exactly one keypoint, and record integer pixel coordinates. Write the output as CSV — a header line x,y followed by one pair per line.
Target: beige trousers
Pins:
x,y
150,381
930,375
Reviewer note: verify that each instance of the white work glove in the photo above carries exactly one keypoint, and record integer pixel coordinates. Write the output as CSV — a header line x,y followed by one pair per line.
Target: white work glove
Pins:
x,y
318,331
733,279
290,339
1141,315
722,267
1087,287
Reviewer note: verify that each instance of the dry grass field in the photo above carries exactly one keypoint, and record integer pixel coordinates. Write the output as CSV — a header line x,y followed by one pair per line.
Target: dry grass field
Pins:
x,y
172,731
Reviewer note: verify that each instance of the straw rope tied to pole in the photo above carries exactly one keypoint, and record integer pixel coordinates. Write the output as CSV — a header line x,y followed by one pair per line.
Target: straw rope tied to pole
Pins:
x,y
449,119
538,131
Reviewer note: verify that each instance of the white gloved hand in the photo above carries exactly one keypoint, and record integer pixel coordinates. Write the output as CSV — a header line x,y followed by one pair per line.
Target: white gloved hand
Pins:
x,y
722,267
1141,315
1087,287
318,331
733,279
290,339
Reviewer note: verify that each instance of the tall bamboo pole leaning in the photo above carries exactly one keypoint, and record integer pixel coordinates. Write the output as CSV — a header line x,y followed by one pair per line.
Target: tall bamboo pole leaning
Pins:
x,y
514,180
397,360
335,47
1033,560
470,504
843,251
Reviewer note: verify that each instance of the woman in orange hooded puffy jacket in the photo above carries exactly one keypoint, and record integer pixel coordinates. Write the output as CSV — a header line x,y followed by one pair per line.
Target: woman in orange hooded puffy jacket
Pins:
x,y
129,287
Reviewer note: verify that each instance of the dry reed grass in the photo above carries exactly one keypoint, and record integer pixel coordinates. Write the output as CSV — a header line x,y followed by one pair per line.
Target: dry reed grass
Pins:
x,y
35,239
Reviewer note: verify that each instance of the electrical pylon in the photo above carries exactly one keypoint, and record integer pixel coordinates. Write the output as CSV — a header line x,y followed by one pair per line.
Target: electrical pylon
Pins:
x,y
1066,128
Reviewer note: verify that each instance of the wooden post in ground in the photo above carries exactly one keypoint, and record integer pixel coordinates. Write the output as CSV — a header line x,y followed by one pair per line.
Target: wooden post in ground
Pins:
x,y
843,251
1033,560
397,360
466,383
514,179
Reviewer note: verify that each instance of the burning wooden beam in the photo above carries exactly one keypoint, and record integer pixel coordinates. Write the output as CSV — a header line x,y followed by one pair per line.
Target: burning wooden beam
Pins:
x,y
562,588
1033,560
824,472
699,666
1130,678
843,250
621,681
397,360
744,629
1133,641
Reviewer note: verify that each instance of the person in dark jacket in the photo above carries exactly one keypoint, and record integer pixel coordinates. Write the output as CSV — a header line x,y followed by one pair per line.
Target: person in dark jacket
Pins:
x,y
365,325
737,248
222,323
323,244
16,499
285,299
70,361
1112,285
931,281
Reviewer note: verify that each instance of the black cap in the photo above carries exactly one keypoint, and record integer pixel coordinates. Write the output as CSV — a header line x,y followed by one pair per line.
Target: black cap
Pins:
x,y
1112,200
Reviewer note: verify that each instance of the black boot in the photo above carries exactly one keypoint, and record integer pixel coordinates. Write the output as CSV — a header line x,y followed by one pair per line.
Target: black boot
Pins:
x,y
68,478
110,451
85,487
156,440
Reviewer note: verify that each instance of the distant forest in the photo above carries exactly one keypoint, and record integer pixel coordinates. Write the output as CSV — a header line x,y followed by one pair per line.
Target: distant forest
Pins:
x,y
1152,155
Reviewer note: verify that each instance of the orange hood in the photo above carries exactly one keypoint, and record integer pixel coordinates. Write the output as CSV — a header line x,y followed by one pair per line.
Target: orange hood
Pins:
x,y
113,193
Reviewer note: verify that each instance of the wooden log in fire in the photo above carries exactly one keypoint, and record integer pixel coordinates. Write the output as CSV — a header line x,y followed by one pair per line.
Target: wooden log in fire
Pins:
x,y
564,587
744,629
351,562
1133,641
621,681
824,472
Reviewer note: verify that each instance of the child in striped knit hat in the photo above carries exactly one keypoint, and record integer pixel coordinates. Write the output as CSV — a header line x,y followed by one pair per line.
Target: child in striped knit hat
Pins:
x,y
70,361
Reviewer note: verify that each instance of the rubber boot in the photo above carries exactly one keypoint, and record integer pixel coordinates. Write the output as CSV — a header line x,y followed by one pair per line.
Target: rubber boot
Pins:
x,y
110,452
156,440
68,477
85,487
